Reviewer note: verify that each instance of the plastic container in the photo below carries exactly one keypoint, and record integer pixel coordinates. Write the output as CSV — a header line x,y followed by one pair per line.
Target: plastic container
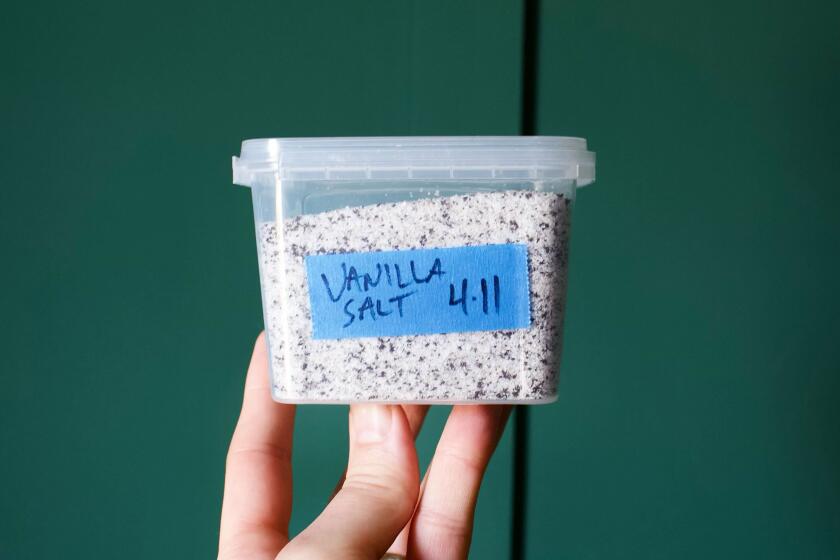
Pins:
x,y
414,269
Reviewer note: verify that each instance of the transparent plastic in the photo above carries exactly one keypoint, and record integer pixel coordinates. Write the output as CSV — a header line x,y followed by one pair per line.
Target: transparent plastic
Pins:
x,y
353,196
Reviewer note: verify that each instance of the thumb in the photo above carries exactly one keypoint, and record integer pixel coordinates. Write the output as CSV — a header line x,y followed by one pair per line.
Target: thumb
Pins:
x,y
378,496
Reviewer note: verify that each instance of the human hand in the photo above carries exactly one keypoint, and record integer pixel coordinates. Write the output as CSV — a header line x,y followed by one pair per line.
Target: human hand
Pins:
x,y
380,505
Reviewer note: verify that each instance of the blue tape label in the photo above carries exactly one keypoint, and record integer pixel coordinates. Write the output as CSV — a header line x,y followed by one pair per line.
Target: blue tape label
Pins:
x,y
419,291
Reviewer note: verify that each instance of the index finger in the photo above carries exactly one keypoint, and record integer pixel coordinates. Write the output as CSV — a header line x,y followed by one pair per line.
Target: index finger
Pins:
x,y
258,479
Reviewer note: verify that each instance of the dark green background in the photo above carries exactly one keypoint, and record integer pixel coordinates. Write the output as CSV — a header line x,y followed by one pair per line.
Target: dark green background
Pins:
x,y
699,399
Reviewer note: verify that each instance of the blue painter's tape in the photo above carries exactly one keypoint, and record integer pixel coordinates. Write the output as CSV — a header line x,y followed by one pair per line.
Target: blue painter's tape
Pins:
x,y
419,291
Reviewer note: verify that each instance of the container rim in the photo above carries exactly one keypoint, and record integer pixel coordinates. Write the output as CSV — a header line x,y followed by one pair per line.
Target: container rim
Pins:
x,y
415,157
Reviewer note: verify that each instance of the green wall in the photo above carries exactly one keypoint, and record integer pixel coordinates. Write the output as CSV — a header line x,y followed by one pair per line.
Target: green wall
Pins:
x,y
132,299
698,415
700,376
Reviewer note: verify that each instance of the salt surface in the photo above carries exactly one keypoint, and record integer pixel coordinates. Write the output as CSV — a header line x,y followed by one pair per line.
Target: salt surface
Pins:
x,y
485,366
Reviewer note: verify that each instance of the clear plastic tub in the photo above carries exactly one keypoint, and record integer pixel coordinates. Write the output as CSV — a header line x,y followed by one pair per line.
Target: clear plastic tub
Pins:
x,y
414,269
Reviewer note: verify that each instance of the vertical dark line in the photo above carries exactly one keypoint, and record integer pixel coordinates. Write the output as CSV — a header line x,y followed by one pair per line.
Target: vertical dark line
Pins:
x,y
528,127
530,40
520,483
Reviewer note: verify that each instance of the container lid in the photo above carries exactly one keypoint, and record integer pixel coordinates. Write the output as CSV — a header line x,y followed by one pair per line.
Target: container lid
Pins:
x,y
415,157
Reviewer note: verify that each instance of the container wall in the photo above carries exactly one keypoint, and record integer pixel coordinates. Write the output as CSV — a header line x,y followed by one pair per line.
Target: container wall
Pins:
x,y
323,217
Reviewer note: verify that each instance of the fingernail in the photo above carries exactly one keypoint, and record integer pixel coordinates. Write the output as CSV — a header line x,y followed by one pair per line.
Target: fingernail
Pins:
x,y
370,422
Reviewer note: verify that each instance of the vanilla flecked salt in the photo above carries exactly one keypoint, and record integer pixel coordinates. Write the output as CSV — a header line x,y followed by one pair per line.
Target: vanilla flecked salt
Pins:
x,y
502,365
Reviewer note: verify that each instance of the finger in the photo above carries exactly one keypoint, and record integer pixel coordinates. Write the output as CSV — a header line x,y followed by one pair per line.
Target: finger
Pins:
x,y
400,544
378,495
416,414
258,477
442,524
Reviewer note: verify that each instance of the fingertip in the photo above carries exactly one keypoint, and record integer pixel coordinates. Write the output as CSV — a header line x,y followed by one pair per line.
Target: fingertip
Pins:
x,y
382,442
257,374
260,348
485,420
371,423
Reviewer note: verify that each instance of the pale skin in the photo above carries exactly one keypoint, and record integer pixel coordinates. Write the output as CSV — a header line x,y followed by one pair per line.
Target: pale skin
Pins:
x,y
379,506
